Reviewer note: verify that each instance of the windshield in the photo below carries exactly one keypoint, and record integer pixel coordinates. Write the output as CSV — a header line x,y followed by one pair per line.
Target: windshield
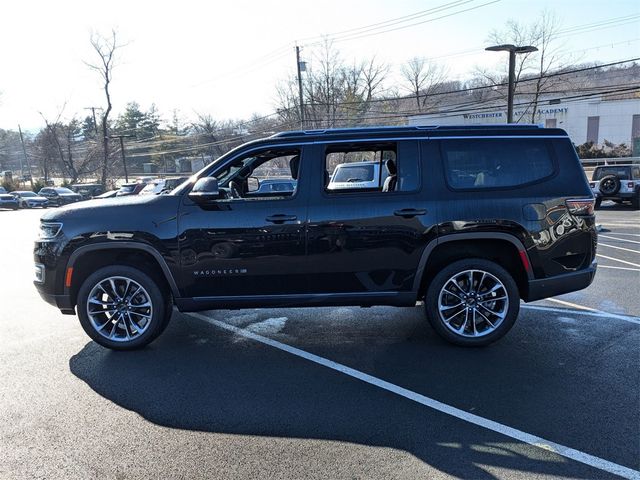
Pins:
x,y
354,173
26,194
63,190
620,172
127,188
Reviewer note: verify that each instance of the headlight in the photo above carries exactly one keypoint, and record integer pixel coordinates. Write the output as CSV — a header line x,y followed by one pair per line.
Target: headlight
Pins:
x,y
49,230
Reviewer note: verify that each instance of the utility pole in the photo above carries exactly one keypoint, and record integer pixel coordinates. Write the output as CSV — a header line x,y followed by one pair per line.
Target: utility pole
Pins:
x,y
95,123
300,86
124,160
26,158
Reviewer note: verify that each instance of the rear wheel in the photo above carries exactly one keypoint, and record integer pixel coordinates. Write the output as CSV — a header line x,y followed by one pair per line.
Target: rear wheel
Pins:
x,y
472,302
122,308
635,201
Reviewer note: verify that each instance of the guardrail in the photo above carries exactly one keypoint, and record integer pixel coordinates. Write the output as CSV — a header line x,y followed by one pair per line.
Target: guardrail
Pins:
x,y
595,162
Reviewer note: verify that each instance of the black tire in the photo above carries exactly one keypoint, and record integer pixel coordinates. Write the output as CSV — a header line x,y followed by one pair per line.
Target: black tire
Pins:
x,y
160,307
609,185
635,201
510,306
598,203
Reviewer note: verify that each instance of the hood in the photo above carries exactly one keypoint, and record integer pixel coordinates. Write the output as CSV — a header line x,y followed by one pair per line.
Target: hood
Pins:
x,y
104,208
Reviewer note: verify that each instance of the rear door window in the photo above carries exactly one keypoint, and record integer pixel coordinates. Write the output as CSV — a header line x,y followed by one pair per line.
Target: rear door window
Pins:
x,y
495,163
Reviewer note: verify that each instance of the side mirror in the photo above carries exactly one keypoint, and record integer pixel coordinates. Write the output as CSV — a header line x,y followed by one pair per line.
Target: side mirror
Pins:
x,y
253,184
205,190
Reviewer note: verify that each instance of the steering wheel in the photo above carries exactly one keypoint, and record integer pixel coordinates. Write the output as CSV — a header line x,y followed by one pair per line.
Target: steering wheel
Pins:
x,y
234,189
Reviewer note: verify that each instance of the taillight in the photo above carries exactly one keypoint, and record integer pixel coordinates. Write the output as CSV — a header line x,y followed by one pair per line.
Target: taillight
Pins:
x,y
629,184
580,206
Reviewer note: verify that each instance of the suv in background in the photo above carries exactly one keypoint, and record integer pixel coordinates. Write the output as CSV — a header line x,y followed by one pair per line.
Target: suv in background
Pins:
x,y
357,174
88,190
472,220
130,189
58,196
620,183
162,185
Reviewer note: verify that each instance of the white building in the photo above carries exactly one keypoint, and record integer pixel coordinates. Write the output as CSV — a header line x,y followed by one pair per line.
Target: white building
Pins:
x,y
595,120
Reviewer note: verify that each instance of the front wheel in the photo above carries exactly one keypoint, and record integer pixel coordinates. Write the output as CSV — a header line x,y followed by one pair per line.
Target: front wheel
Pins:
x,y
122,308
472,302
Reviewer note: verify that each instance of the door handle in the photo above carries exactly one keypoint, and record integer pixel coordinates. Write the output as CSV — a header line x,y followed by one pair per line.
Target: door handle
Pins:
x,y
410,212
281,218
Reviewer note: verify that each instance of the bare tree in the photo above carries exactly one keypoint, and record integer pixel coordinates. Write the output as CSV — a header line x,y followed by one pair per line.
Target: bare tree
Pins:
x,y
374,74
422,78
105,48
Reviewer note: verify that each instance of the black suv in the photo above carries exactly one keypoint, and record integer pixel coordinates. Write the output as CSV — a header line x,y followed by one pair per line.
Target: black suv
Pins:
x,y
469,220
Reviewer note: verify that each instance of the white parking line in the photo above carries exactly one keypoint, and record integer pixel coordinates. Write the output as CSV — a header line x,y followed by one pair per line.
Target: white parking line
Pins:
x,y
619,239
626,234
573,305
516,434
618,260
589,313
600,244
630,224
619,268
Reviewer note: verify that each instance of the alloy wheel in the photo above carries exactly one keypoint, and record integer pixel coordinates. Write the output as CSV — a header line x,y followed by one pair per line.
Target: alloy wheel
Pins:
x,y
119,309
473,303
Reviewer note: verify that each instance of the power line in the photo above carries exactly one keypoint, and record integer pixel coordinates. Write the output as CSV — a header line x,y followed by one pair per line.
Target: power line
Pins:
x,y
387,23
484,87
347,38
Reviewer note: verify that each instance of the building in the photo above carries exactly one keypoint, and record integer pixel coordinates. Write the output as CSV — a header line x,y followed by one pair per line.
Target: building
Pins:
x,y
592,120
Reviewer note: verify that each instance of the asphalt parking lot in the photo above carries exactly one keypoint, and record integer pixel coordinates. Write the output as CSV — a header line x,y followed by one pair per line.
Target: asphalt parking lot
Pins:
x,y
327,392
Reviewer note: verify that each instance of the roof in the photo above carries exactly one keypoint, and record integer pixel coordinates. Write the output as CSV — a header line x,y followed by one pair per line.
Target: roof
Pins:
x,y
419,131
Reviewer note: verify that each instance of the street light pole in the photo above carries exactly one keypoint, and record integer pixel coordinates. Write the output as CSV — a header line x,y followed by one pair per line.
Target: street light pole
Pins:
x,y
300,86
124,161
511,89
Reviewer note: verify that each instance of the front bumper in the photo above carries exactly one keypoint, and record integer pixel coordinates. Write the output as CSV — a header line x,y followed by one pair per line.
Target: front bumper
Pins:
x,y
559,284
63,302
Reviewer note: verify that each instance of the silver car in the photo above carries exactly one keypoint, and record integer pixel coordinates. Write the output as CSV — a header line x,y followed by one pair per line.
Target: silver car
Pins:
x,y
28,199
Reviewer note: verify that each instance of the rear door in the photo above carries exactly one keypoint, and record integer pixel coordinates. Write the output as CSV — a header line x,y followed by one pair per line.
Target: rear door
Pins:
x,y
367,242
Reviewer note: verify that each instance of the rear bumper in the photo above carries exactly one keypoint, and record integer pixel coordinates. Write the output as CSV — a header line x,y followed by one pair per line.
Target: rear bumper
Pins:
x,y
568,282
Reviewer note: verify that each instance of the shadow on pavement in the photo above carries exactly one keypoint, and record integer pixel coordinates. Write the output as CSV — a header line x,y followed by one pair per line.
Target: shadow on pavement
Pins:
x,y
197,377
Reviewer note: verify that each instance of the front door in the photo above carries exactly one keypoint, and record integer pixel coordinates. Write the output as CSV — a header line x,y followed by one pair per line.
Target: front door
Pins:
x,y
251,242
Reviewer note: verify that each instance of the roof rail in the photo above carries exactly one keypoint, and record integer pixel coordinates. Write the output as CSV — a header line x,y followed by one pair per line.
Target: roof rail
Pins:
x,y
406,128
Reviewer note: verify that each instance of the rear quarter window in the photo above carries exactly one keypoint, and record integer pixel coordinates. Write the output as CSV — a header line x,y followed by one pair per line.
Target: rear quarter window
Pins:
x,y
495,163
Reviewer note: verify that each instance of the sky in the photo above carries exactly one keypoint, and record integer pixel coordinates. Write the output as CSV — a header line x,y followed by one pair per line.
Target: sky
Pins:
x,y
225,59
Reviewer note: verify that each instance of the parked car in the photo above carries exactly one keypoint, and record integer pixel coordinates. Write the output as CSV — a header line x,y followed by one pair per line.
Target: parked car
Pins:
x,y
270,186
59,196
3,190
29,199
162,185
7,200
130,189
88,190
109,194
620,183
469,221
